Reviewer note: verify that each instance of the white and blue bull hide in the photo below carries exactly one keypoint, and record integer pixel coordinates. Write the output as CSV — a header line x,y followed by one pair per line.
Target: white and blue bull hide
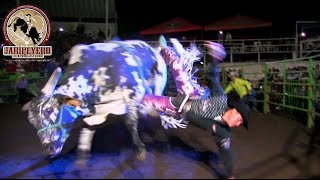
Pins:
x,y
103,78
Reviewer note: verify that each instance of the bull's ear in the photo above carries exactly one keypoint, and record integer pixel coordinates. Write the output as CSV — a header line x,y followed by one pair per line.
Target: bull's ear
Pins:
x,y
71,101
52,82
26,107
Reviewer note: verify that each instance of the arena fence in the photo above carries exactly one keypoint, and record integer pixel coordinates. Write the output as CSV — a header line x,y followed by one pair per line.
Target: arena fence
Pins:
x,y
289,85
8,81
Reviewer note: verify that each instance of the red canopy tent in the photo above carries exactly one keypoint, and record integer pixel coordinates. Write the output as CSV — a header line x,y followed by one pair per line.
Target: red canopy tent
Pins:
x,y
237,22
176,24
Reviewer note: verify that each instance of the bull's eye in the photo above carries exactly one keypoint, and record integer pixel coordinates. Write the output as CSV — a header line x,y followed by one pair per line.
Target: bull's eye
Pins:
x,y
48,111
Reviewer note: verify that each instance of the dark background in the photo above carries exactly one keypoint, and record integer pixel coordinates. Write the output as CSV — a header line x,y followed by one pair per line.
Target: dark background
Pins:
x,y
137,15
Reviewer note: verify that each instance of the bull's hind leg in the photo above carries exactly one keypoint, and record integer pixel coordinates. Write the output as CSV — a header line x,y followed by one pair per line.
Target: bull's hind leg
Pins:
x,y
34,41
131,122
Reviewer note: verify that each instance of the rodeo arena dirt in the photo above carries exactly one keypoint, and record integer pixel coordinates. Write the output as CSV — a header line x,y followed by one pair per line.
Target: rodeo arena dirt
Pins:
x,y
275,147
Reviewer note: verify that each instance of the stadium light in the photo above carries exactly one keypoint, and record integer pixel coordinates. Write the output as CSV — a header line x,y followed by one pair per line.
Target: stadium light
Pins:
x,y
297,33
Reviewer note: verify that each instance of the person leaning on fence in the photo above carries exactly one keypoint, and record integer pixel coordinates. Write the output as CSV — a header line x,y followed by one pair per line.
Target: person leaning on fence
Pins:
x,y
241,86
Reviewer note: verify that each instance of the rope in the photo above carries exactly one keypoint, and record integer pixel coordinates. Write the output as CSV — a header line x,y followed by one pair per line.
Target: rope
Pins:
x,y
59,124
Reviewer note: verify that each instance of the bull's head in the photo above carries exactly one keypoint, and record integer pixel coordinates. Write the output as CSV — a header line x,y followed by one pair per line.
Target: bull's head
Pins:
x,y
45,113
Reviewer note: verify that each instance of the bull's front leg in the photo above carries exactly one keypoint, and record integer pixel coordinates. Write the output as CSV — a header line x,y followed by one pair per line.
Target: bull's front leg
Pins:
x,y
131,122
84,146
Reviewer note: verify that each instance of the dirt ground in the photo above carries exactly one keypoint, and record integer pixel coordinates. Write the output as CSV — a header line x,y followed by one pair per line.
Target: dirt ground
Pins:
x,y
275,147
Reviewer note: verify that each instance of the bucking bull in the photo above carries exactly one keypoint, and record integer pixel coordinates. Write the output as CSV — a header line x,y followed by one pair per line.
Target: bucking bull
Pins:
x,y
101,79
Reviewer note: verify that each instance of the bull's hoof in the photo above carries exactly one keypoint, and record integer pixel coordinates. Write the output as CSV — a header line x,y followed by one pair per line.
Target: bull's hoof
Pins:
x,y
48,154
82,159
80,163
141,156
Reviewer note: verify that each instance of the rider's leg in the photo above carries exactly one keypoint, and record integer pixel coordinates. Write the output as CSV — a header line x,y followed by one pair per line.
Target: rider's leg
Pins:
x,y
181,77
212,73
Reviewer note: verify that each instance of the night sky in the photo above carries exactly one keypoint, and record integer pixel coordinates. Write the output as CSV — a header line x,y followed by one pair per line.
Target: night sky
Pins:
x,y
137,15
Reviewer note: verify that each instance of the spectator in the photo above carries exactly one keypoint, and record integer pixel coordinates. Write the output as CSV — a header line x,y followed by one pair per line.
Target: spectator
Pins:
x,y
228,37
241,86
21,87
20,68
253,98
101,36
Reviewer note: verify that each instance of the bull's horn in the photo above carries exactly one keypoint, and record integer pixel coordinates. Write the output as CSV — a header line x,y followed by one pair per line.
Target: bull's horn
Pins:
x,y
52,82
26,106
162,42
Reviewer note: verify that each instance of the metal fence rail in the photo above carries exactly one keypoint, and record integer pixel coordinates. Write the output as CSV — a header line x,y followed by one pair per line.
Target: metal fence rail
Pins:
x,y
278,88
8,84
